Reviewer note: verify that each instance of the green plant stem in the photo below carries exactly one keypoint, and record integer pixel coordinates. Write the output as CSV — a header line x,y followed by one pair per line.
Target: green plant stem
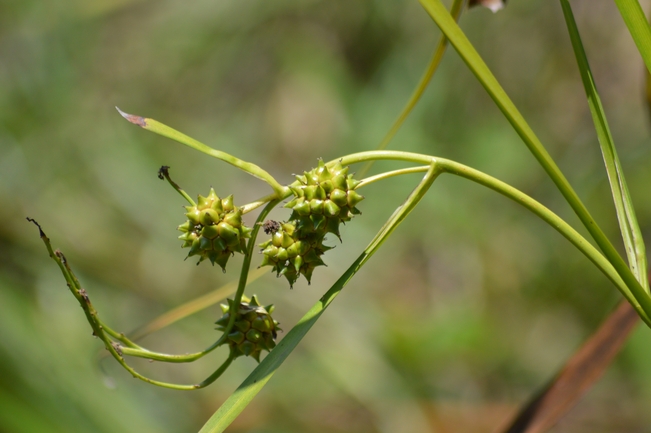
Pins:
x,y
213,377
133,349
98,331
164,173
555,222
234,405
119,336
385,155
246,264
369,180
455,11
262,201
639,300
130,348
364,182
458,39
164,130
137,351
629,227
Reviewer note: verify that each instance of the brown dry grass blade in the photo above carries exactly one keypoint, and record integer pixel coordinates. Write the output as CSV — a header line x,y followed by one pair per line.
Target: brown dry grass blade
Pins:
x,y
580,372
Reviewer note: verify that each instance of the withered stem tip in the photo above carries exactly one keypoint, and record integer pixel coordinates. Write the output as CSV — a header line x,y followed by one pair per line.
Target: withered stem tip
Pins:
x,y
163,172
136,120
40,230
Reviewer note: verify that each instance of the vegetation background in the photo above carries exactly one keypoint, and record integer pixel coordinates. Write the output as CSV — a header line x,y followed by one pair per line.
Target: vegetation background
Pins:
x,y
469,308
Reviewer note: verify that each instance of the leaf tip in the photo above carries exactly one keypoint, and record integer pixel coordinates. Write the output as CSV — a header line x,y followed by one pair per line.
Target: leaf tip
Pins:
x,y
136,120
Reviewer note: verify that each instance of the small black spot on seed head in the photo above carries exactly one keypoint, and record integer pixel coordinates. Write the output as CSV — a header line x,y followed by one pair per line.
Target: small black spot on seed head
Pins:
x,y
270,226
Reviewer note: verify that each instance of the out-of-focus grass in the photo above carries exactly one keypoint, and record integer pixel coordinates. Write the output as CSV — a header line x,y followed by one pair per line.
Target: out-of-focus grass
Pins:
x,y
458,318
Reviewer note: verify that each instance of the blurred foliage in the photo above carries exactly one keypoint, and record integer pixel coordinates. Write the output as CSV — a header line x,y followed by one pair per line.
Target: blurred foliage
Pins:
x,y
471,306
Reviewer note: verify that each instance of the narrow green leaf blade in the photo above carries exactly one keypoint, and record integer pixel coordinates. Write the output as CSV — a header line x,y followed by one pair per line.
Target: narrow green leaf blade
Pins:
x,y
638,25
633,241
166,131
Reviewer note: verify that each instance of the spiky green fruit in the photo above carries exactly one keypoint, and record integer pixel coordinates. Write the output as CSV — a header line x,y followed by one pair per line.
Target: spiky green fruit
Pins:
x,y
292,253
214,229
324,198
254,329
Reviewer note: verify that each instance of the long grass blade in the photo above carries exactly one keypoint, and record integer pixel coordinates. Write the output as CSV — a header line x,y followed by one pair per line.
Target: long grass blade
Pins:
x,y
631,233
638,26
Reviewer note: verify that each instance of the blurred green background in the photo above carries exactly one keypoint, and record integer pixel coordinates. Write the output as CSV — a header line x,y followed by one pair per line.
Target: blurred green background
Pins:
x,y
471,305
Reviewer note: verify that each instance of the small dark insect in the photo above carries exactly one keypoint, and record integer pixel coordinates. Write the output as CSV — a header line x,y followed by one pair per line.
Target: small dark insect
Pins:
x,y
163,172
270,226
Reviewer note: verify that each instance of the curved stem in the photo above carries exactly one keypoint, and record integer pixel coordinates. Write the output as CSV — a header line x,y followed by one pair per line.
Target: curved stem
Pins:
x,y
210,379
173,316
388,174
119,336
164,173
261,201
631,290
133,349
213,377
98,328
391,155
554,221
140,352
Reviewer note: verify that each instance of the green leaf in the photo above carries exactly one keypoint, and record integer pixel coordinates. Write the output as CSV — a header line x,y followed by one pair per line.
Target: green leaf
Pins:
x,y
638,26
164,130
633,241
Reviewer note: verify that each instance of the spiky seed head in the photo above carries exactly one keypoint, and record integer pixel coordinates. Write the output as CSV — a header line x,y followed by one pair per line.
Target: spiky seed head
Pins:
x,y
214,229
291,253
254,329
324,198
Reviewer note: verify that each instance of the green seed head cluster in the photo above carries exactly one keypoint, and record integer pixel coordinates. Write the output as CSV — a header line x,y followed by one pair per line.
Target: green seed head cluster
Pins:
x,y
323,198
254,329
214,229
292,255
